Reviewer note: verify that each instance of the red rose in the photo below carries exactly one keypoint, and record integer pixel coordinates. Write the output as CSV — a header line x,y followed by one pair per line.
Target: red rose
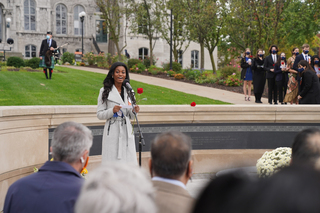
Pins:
x,y
250,56
193,104
282,63
272,64
319,68
140,90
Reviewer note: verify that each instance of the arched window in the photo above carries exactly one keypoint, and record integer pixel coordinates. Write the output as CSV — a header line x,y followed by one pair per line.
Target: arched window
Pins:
x,y
29,15
143,53
194,59
77,23
30,51
61,19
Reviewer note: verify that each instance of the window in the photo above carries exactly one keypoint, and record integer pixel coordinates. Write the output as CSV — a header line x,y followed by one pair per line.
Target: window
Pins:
x,y
143,53
64,50
194,59
61,19
77,23
30,51
180,56
101,31
29,15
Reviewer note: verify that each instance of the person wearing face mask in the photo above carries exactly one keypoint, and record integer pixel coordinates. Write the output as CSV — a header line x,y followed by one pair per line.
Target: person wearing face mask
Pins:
x,y
246,73
292,86
303,56
47,44
315,64
259,75
279,69
269,64
57,184
310,86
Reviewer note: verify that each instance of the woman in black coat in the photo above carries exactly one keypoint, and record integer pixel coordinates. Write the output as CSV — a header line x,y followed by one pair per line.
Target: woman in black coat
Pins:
x,y
259,76
310,86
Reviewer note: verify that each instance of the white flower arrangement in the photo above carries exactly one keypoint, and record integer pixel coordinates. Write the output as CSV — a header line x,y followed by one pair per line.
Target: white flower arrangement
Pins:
x,y
273,161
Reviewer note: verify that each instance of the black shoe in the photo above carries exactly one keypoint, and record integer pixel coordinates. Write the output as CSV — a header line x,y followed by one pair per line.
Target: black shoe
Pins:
x,y
282,103
275,103
270,103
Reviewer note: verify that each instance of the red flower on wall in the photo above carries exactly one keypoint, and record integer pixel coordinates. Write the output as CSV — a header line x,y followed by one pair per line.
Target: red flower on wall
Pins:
x,y
140,90
193,104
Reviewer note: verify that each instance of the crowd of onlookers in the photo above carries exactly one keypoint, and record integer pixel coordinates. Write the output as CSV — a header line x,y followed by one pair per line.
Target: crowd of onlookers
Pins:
x,y
291,79
118,188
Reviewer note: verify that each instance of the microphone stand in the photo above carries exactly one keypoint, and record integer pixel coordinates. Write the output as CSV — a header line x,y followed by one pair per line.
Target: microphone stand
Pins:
x,y
141,139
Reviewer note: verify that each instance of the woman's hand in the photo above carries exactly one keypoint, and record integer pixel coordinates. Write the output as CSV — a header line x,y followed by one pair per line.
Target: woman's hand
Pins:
x,y
136,108
299,97
116,108
271,70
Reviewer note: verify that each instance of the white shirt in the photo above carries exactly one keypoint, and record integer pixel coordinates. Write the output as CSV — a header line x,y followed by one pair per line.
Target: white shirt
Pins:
x,y
274,57
305,57
166,180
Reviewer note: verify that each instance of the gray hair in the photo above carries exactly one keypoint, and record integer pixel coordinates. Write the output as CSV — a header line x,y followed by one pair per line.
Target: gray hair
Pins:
x,y
69,141
170,154
115,188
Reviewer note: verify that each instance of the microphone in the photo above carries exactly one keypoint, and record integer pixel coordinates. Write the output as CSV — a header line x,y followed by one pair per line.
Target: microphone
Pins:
x,y
130,91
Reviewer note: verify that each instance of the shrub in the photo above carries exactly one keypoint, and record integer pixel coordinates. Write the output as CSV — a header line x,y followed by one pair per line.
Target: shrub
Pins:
x,y
15,62
154,69
233,81
3,63
146,62
67,57
153,72
101,60
171,73
141,67
227,71
116,58
33,63
175,66
88,57
192,74
179,76
82,64
132,62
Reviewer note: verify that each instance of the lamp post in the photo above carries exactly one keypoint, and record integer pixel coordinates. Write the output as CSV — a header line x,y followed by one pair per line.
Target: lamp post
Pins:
x,y
82,15
171,39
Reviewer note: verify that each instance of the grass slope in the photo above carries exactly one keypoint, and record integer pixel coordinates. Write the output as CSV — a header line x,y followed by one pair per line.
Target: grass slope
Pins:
x,y
76,87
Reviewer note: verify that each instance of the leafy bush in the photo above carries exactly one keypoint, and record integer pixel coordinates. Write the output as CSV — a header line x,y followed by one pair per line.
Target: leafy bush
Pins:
x,y
89,57
175,66
15,62
3,63
233,81
227,71
154,69
132,62
153,72
146,61
101,60
67,57
116,58
179,76
192,74
171,73
33,63
141,67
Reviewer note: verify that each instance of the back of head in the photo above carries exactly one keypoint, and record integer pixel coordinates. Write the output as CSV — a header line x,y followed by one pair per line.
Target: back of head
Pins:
x,y
116,187
306,147
69,142
170,154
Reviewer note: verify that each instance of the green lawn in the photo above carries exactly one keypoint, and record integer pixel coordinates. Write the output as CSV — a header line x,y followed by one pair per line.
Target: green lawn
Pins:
x,y
76,87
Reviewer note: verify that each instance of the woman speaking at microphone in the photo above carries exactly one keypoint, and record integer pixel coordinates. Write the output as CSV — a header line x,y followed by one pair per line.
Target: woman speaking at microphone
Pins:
x,y
118,142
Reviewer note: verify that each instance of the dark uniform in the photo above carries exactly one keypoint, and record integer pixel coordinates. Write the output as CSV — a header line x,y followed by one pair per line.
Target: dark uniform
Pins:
x,y
45,46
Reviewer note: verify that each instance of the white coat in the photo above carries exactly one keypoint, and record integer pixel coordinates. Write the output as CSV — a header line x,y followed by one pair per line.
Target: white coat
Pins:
x,y
118,142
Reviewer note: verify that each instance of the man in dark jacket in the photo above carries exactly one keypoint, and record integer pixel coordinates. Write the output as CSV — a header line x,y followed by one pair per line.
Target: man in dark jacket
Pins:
x,y
47,59
56,186
269,63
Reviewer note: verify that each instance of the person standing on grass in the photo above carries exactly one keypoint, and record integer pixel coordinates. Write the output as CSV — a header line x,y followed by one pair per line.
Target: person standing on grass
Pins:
x,y
259,75
48,46
269,68
292,86
246,73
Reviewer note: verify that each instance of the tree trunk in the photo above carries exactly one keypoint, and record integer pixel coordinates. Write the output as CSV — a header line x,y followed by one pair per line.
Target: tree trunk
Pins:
x,y
151,51
212,62
118,51
202,55
111,49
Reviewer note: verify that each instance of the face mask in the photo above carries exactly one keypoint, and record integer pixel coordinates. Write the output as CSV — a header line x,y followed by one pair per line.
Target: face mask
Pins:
x,y
248,53
283,58
316,62
301,69
48,37
261,55
306,51
274,51
297,53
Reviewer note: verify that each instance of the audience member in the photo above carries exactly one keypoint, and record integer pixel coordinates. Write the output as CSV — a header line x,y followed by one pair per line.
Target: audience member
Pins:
x,y
292,89
171,168
115,188
56,186
316,65
259,76
246,73
279,69
306,147
269,63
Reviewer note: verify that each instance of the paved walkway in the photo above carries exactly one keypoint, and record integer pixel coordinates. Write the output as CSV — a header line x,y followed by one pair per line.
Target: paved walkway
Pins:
x,y
208,92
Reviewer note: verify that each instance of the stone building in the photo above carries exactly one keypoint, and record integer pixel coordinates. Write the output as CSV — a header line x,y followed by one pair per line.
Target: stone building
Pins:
x,y
27,21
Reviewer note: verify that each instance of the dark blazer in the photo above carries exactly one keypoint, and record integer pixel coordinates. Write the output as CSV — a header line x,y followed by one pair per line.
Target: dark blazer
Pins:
x,y
297,60
244,65
259,75
278,72
54,188
45,47
310,88
269,64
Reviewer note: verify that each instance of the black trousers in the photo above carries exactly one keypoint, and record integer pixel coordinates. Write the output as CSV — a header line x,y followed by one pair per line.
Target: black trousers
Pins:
x,y
258,96
280,90
45,72
272,90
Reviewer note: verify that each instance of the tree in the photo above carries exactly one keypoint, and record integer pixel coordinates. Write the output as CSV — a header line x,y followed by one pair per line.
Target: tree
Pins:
x,y
145,19
115,18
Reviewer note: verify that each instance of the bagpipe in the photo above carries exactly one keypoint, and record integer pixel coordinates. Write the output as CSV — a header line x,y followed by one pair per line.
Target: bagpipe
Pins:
x,y
49,54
